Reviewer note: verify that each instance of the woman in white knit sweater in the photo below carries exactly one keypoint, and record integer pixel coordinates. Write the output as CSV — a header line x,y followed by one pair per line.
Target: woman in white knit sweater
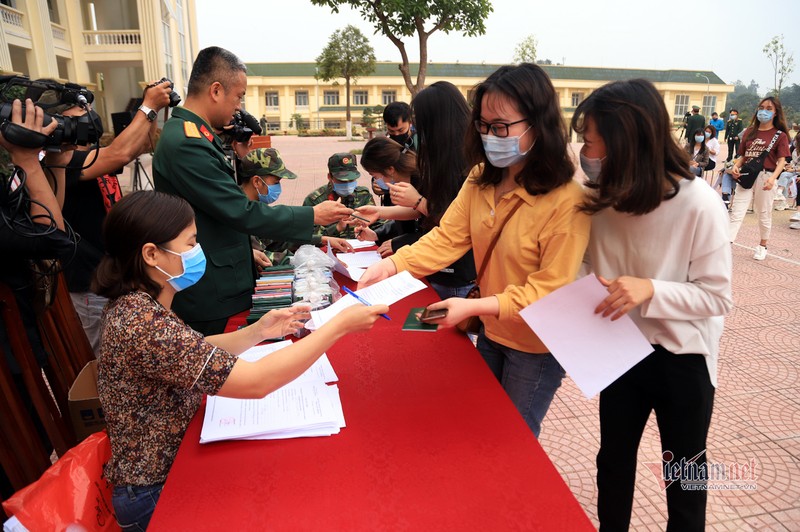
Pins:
x,y
660,244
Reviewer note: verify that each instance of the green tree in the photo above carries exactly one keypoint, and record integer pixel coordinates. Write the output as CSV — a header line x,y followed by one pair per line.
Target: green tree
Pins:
x,y
369,115
296,122
781,61
745,98
525,52
347,55
405,18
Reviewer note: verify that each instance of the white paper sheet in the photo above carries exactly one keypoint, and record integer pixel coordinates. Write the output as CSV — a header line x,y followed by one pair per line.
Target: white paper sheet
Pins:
x,y
320,370
385,292
360,244
295,409
350,272
593,350
362,259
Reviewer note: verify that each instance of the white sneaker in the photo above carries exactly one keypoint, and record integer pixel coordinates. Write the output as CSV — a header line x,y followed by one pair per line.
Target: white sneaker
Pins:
x,y
779,204
794,225
761,253
795,217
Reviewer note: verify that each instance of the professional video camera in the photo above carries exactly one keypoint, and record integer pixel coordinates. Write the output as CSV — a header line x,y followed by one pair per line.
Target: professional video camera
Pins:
x,y
241,128
53,98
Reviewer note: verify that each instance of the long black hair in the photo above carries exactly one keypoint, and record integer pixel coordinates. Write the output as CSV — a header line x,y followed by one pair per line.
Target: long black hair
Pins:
x,y
778,121
441,117
548,164
642,157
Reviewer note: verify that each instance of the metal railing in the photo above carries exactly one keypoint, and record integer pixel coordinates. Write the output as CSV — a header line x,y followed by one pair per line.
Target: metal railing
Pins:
x,y
112,38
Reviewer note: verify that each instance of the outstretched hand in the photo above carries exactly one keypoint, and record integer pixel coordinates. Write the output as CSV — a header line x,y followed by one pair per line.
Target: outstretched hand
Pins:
x,y
282,322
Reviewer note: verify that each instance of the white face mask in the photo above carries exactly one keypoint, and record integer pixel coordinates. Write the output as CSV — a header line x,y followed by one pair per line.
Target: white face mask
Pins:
x,y
591,167
503,152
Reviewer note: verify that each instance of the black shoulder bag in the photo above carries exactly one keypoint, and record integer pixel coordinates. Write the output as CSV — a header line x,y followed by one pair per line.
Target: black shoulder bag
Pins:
x,y
749,171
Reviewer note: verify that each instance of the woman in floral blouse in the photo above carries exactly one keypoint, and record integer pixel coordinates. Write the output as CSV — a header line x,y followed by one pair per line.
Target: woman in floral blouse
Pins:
x,y
154,369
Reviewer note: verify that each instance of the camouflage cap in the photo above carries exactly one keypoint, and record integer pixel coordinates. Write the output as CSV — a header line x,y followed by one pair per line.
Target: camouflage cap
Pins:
x,y
265,161
342,166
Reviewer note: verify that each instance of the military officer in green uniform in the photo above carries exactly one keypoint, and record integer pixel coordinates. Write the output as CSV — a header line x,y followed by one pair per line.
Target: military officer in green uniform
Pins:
x,y
190,162
694,122
343,187
733,130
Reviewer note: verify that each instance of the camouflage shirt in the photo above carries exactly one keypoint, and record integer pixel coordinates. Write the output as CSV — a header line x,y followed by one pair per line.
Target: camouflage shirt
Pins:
x,y
362,196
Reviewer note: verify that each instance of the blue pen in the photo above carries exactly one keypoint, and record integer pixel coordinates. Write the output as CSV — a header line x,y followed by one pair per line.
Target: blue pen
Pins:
x,y
362,300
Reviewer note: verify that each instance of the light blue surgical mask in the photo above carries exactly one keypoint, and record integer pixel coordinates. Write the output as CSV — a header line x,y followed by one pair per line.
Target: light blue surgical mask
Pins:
x,y
591,167
194,266
734,117
381,183
707,134
503,152
699,138
764,115
345,189
273,192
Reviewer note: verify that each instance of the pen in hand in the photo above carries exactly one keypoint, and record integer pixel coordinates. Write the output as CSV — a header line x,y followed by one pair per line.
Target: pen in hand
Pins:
x,y
362,300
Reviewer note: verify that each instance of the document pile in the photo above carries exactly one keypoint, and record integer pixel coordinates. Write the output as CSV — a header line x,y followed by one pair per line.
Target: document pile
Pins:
x,y
305,407
273,290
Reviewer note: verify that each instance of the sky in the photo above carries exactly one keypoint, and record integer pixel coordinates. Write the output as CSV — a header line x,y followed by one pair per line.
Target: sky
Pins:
x,y
726,37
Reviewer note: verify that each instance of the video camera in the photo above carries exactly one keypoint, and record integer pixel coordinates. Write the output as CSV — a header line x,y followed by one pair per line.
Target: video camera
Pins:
x,y
242,127
174,97
53,98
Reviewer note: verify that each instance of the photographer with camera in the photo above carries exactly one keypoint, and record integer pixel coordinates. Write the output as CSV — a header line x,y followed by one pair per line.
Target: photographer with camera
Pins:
x,y
190,162
90,192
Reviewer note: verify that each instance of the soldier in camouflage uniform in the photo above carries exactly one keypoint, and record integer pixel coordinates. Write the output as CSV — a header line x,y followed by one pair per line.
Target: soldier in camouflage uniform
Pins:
x,y
260,178
342,185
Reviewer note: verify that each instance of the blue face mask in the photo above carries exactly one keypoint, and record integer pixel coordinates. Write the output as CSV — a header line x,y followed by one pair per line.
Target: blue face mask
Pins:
x,y
591,167
699,138
194,266
381,183
503,152
764,115
707,134
345,189
273,192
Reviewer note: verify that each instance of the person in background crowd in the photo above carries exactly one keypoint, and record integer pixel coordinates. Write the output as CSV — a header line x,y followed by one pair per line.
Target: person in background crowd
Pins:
x,y
717,123
342,187
733,131
190,162
397,119
712,144
260,177
154,369
767,123
787,186
90,193
694,121
641,197
522,192
263,123
698,152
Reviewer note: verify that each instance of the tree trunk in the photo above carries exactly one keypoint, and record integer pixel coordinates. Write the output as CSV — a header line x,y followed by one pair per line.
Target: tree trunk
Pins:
x,y
423,62
348,125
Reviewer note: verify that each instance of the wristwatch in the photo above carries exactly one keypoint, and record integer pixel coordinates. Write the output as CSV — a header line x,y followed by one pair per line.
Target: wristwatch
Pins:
x,y
149,113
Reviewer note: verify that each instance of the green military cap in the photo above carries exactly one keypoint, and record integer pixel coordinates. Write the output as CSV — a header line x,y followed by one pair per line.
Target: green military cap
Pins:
x,y
695,107
265,161
342,166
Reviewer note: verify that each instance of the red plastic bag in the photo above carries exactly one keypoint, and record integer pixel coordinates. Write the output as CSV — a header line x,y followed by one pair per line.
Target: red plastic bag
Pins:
x,y
74,490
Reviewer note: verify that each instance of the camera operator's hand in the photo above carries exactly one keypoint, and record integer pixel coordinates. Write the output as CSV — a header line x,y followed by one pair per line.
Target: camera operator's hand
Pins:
x,y
33,121
328,212
156,97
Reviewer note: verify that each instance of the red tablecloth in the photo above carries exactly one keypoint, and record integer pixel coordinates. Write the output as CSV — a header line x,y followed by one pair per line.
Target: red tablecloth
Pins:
x,y
432,443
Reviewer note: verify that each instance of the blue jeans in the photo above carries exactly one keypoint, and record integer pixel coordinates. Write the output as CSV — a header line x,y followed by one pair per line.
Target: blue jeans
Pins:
x,y
727,183
529,379
134,505
451,291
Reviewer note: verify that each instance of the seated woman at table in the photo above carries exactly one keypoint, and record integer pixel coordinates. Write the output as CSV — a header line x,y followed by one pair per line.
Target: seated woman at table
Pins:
x,y
154,369
660,245
522,190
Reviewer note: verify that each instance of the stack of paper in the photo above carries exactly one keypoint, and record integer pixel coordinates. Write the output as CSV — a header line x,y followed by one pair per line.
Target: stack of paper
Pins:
x,y
273,290
386,292
360,244
305,407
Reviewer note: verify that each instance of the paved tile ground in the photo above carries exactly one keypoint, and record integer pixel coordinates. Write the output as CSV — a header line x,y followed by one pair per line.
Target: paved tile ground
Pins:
x,y
756,411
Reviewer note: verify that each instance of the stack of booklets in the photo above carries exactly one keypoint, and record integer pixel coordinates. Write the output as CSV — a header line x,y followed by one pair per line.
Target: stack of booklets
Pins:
x,y
273,290
306,407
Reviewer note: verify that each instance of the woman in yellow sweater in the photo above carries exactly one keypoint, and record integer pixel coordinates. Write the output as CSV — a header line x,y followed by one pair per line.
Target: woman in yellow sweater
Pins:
x,y
522,189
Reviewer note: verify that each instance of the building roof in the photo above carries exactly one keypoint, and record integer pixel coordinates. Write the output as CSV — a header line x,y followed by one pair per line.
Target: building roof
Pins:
x,y
471,70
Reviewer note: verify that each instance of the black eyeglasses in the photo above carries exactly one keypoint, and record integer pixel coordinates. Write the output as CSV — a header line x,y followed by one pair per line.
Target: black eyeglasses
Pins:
x,y
498,129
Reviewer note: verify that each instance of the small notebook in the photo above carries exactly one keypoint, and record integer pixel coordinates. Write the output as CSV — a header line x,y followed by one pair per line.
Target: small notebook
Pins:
x,y
412,323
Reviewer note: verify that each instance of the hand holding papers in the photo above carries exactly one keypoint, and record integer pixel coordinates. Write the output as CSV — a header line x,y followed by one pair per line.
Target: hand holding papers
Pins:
x,y
353,265
594,350
386,292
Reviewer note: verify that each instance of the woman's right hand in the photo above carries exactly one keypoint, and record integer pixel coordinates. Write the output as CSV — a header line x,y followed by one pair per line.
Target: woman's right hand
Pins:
x,y
377,272
370,212
735,172
365,234
358,317
385,249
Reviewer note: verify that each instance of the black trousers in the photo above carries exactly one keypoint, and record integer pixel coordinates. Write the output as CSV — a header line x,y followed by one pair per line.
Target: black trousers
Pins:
x,y
678,388
733,147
